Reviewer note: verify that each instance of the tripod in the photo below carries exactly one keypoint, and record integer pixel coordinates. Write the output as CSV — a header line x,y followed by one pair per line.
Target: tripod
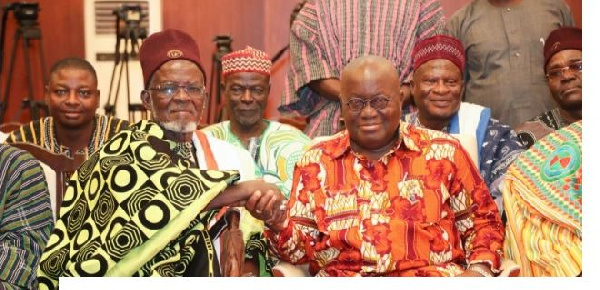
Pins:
x,y
216,111
27,31
132,35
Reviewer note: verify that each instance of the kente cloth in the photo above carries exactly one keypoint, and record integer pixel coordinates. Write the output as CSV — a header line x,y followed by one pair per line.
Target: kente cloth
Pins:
x,y
327,34
42,133
498,145
135,208
542,196
540,126
420,210
248,59
275,151
25,218
505,60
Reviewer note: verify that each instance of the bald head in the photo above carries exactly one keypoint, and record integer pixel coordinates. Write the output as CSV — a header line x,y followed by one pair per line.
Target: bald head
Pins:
x,y
370,67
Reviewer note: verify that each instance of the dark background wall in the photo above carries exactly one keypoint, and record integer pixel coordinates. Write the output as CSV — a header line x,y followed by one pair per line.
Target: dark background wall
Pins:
x,y
263,24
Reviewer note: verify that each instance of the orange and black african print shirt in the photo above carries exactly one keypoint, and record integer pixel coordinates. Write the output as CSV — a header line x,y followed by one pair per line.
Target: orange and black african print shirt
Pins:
x,y
421,210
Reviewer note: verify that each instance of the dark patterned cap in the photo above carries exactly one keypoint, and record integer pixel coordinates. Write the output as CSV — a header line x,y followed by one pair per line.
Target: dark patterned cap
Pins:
x,y
561,39
164,46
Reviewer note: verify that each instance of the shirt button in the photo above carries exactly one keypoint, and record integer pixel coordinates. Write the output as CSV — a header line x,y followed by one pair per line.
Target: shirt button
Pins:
x,y
517,54
508,9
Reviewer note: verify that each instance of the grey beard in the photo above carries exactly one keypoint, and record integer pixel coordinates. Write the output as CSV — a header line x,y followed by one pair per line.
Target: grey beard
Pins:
x,y
174,126
179,127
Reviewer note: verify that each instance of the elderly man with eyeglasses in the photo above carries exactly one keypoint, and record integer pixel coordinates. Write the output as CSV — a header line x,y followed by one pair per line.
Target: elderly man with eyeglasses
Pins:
x,y
154,200
385,198
562,65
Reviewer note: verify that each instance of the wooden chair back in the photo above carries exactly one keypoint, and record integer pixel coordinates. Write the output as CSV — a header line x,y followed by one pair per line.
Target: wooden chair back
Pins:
x,y
62,165
9,127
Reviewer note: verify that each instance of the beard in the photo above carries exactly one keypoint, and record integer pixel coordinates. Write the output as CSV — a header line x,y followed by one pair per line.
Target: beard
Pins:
x,y
179,126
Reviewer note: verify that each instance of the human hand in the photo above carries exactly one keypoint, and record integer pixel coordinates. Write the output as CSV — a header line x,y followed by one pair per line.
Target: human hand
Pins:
x,y
238,194
269,206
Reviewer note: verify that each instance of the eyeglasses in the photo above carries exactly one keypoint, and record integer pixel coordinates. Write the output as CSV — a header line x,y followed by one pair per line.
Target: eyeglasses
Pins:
x,y
558,73
170,90
378,103
81,93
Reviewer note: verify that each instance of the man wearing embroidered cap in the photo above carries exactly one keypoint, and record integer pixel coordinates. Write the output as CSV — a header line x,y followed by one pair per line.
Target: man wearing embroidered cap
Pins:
x,y
562,65
437,86
149,202
275,147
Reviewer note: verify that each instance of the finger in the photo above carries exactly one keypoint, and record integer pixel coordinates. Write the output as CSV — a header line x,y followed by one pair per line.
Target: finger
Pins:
x,y
254,198
264,201
273,204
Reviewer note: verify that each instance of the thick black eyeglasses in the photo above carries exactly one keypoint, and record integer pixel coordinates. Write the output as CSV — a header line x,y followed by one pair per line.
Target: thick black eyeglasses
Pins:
x,y
378,103
170,90
558,73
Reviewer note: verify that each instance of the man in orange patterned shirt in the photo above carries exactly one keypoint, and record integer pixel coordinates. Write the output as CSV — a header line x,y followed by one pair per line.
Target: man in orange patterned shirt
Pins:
x,y
384,198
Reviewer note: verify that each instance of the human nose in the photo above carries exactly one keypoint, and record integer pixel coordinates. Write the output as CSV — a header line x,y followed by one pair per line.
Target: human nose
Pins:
x,y
567,74
181,94
368,110
246,96
73,97
440,87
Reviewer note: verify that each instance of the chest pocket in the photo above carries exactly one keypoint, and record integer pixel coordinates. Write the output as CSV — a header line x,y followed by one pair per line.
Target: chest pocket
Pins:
x,y
417,202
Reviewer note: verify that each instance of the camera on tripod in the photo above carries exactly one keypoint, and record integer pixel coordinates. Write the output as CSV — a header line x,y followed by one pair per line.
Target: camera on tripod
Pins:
x,y
223,43
26,13
130,34
129,19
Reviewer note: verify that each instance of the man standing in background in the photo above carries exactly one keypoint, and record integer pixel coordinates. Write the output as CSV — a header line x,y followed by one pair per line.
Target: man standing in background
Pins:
x,y
328,34
504,41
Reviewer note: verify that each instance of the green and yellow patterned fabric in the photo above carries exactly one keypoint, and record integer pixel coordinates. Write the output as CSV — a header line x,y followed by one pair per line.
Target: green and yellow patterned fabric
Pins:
x,y
134,208
275,151
542,196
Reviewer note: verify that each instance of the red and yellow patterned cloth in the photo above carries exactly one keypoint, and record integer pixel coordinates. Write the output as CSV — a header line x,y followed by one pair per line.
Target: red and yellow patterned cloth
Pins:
x,y
421,210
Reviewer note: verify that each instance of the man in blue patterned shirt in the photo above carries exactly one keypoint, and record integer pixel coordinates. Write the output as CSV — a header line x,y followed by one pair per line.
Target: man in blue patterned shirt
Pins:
x,y
437,87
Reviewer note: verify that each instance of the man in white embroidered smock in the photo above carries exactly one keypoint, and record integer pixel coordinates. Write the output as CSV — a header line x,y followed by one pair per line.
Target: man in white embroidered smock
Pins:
x,y
275,147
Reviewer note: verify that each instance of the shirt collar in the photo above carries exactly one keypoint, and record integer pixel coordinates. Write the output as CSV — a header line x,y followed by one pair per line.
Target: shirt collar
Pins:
x,y
339,144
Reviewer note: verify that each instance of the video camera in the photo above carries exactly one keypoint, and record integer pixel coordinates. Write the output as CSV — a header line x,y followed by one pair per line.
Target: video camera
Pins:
x,y
26,13
129,13
223,43
129,19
